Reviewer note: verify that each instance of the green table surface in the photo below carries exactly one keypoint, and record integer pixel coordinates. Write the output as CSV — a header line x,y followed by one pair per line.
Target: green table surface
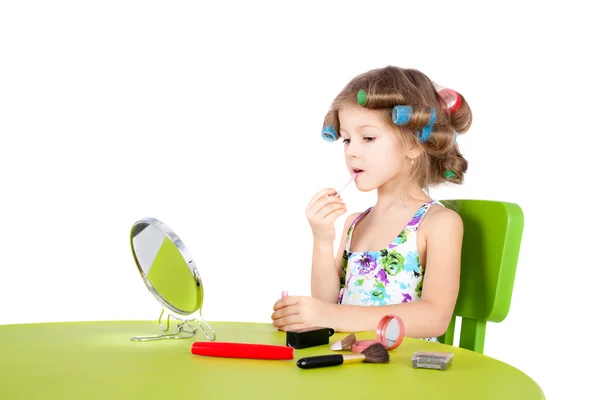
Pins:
x,y
97,360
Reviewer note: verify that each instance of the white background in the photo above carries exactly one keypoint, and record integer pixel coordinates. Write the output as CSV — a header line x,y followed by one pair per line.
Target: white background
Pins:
x,y
208,117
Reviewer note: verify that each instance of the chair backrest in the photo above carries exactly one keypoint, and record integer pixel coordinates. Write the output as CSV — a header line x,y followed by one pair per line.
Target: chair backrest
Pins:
x,y
491,244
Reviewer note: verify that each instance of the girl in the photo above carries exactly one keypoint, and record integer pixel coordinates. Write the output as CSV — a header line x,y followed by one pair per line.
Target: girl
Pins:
x,y
403,254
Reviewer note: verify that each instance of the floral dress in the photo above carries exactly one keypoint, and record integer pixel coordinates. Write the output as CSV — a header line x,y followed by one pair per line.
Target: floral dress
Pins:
x,y
391,275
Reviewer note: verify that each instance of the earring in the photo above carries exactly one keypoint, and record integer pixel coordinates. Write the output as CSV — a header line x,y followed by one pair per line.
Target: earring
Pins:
x,y
412,161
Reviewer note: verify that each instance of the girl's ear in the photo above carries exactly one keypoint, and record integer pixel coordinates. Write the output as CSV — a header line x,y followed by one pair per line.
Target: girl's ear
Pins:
x,y
414,151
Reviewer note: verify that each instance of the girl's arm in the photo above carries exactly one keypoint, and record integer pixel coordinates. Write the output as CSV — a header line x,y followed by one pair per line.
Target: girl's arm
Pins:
x,y
326,270
430,316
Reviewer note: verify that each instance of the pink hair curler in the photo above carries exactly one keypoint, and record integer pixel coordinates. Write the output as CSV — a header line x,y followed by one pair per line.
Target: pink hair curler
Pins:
x,y
451,99
390,332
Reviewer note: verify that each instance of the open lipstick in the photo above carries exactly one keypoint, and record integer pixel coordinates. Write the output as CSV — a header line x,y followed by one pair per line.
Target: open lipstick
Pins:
x,y
284,294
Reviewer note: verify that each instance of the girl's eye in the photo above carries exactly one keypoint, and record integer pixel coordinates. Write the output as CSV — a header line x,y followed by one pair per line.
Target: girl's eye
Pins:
x,y
346,140
369,139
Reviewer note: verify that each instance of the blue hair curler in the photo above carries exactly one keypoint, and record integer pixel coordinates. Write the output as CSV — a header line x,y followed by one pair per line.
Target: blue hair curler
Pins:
x,y
433,116
424,133
329,134
401,114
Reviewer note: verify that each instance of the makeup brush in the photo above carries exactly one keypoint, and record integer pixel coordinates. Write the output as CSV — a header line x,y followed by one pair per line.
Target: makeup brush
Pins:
x,y
344,344
376,353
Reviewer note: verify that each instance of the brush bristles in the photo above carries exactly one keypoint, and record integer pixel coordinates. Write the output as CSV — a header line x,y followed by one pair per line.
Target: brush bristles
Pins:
x,y
348,341
376,353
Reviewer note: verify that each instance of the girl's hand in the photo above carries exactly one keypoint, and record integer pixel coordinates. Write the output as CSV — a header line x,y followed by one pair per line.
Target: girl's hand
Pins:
x,y
297,312
321,212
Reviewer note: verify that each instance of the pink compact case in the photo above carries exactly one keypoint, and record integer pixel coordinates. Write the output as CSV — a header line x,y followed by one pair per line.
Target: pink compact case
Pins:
x,y
390,332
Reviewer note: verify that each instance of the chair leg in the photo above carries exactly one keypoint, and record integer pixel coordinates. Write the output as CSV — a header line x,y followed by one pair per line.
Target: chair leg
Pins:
x,y
472,335
448,336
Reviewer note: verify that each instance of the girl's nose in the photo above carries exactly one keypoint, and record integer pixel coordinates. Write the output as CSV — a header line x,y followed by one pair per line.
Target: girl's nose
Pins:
x,y
351,153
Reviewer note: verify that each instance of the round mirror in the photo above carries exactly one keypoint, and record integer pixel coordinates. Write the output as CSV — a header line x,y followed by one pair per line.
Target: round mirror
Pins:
x,y
170,274
390,331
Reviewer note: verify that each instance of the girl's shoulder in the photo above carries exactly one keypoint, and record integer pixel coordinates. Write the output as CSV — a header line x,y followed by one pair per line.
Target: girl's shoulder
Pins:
x,y
442,219
351,219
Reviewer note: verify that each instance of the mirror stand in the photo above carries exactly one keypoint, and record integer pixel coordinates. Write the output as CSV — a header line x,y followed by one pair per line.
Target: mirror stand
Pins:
x,y
185,329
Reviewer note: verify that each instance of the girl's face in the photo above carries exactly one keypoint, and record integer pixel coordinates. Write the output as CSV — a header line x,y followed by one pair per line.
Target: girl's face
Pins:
x,y
372,148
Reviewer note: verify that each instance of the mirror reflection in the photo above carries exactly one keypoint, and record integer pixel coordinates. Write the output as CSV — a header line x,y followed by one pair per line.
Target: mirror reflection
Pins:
x,y
392,332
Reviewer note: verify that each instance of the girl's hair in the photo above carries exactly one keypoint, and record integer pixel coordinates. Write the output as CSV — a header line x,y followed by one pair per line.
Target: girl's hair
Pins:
x,y
391,86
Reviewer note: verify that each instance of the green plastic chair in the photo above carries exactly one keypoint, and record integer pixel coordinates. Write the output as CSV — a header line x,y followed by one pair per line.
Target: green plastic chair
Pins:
x,y
491,244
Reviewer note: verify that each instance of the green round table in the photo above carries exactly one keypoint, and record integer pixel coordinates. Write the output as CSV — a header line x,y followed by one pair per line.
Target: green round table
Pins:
x,y
97,360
